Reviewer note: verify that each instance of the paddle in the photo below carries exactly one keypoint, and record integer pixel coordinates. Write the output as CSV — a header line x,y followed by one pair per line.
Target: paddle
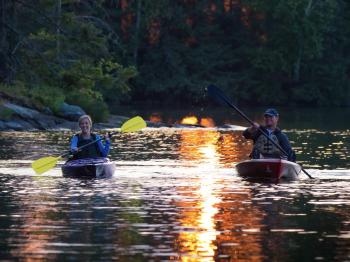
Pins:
x,y
215,92
44,164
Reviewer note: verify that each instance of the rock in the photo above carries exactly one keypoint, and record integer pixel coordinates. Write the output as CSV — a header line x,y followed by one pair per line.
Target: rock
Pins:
x,y
71,112
2,126
5,113
117,120
99,126
44,122
47,111
29,119
14,125
26,125
66,125
114,121
23,112
18,124
156,124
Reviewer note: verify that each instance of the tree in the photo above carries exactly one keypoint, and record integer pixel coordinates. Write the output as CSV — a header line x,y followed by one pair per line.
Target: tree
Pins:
x,y
65,51
259,51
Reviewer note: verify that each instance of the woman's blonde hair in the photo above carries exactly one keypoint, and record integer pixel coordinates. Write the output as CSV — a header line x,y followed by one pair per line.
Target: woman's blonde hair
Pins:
x,y
85,117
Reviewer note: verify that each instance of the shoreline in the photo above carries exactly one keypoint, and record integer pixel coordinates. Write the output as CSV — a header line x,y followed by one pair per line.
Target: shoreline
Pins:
x,y
16,117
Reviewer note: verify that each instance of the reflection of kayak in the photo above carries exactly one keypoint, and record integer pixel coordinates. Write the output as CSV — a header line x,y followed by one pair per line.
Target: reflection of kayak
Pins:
x,y
89,168
274,169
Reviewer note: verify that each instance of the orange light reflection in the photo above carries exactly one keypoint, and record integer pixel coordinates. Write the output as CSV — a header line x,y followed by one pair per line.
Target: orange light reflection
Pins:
x,y
35,229
198,215
229,147
207,122
207,234
155,118
189,120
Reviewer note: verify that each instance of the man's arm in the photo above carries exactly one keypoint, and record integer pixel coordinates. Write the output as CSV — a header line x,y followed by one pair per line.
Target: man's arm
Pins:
x,y
251,132
284,142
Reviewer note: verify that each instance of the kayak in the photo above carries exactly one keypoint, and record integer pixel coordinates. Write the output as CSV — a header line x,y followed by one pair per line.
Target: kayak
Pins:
x,y
89,168
268,169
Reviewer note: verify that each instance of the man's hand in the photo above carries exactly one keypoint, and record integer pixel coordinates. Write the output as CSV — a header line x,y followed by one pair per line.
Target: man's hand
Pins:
x,y
254,127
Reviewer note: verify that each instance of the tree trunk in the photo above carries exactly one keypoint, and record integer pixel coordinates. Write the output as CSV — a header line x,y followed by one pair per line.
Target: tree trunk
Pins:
x,y
11,38
3,32
137,31
297,64
58,26
3,49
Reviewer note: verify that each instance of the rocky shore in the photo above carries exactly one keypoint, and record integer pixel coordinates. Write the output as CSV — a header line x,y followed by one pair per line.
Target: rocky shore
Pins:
x,y
20,118
14,117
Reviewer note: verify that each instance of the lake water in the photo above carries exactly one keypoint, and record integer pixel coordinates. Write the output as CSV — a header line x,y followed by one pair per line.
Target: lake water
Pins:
x,y
176,196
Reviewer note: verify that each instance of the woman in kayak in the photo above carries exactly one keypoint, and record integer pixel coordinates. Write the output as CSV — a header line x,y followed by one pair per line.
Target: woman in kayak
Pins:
x,y
263,147
97,149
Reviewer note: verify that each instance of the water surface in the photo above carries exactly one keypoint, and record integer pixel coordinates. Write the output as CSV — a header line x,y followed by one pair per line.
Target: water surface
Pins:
x,y
175,196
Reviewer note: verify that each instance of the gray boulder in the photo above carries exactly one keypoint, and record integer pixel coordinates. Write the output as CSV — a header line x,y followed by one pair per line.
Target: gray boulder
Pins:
x,y
2,125
27,119
71,112
14,125
156,124
21,111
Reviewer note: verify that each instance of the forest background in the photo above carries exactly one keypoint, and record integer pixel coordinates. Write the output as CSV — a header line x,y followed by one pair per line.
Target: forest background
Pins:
x,y
99,53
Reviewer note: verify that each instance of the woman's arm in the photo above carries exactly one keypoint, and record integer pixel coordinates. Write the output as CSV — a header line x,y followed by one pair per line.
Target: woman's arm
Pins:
x,y
74,144
104,148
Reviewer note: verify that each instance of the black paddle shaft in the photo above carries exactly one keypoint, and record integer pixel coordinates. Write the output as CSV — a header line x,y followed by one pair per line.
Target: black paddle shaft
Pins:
x,y
217,93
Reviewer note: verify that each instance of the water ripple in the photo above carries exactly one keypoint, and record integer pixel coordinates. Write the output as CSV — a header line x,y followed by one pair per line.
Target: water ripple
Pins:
x,y
175,196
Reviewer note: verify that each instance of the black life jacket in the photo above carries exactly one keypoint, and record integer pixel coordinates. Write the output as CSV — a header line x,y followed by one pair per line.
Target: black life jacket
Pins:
x,y
91,151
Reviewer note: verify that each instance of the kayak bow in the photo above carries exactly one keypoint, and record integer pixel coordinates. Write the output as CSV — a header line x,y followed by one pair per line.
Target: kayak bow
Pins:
x,y
269,169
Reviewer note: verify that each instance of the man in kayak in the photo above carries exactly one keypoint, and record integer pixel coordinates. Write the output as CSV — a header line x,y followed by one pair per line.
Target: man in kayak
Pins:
x,y
263,147
97,149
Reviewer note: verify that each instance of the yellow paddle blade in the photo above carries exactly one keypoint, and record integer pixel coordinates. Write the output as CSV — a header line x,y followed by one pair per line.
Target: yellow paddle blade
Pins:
x,y
134,124
44,164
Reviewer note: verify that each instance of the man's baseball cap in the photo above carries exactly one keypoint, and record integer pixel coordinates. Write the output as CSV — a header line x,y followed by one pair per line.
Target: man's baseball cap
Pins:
x,y
271,112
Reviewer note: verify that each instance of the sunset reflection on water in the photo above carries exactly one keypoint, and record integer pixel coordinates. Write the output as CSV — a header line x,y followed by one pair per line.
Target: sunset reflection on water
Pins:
x,y
208,232
219,148
196,240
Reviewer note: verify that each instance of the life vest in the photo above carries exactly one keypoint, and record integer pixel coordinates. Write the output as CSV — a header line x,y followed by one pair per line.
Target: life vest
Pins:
x,y
91,151
263,146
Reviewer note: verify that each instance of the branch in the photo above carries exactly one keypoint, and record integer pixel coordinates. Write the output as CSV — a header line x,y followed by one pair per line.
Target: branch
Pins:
x,y
98,20
308,8
51,21
57,27
30,45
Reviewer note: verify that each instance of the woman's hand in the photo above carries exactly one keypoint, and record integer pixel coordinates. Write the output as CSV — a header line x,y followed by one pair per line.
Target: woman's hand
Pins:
x,y
107,137
74,150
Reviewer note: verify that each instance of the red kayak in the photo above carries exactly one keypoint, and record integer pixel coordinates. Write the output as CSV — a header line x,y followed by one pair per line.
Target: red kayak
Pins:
x,y
270,169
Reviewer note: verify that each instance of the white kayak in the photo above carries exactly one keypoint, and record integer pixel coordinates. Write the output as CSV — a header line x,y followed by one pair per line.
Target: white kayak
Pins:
x,y
271,169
